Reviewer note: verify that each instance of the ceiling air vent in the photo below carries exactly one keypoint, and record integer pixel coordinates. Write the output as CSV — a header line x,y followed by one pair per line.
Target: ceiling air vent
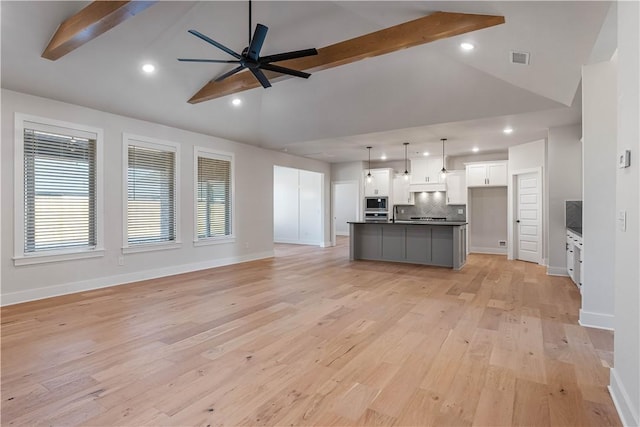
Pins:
x,y
519,57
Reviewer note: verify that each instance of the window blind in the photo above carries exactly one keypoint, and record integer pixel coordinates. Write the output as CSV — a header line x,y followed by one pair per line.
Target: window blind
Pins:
x,y
151,187
59,191
214,197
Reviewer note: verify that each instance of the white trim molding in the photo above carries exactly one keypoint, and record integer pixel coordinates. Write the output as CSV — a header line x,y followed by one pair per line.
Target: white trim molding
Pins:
x,y
215,155
557,271
73,129
622,401
154,144
489,251
123,279
596,320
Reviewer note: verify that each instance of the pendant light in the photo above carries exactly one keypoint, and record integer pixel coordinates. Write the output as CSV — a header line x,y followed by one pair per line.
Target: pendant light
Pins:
x,y
443,171
369,177
406,172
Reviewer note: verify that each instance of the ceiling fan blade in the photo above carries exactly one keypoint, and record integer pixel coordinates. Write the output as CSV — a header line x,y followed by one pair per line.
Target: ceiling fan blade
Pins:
x,y
229,73
259,75
283,70
215,43
217,61
257,41
436,26
289,55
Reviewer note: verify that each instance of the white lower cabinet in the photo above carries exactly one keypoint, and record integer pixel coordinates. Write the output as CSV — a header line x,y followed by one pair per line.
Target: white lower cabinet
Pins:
x,y
574,257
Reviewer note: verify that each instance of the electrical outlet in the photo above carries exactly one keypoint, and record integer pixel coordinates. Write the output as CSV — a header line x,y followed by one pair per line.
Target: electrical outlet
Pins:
x,y
502,243
460,211
401,211
120,260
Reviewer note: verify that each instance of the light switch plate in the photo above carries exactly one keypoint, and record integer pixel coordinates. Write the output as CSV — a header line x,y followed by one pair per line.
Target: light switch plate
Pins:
x,y
624,159
622,220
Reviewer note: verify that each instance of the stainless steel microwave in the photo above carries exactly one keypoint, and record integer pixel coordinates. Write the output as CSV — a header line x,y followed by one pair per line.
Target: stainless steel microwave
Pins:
x,y
376,203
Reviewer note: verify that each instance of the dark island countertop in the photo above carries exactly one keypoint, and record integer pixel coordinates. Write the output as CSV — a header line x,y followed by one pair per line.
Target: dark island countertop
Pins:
x,y
410,222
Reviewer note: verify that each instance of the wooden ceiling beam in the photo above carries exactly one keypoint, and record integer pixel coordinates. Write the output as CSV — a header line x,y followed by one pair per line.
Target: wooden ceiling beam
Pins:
x,y
92,21
438,25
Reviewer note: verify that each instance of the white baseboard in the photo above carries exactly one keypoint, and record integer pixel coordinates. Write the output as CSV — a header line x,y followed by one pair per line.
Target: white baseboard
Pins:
x,y
557,271
122,279
596,320
628,414
326,244
298,242
342,233
490,251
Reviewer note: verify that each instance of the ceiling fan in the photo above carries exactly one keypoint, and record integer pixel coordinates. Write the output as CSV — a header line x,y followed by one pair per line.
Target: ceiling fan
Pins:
x,y
250,57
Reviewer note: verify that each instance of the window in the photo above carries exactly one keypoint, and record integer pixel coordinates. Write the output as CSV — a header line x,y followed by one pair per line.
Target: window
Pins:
x,y
151,206
58,204
214,196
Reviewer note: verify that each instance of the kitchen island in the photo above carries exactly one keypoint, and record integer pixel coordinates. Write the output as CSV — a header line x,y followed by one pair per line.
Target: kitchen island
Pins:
x,y
438,243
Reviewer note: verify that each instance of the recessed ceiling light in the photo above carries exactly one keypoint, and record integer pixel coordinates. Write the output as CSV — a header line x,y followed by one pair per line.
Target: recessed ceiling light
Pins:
x,y
383,157
475,149
148,68
236,102
507,130
426,153
466,46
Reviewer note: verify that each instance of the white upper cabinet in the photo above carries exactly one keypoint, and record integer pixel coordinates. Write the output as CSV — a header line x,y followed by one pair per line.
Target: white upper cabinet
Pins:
x,y
426,171
490,174
456,188
402,194
380,183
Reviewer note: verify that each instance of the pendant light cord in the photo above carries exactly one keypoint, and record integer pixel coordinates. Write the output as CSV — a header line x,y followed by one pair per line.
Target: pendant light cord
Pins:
x,y
406,172
443,168
369,173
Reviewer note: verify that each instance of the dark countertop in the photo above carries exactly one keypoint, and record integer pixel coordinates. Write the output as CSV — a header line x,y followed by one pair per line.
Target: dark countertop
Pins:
x,y
577,230
410,222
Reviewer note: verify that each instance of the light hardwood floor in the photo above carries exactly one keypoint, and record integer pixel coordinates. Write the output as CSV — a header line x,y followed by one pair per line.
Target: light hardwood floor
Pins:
x,y
309,338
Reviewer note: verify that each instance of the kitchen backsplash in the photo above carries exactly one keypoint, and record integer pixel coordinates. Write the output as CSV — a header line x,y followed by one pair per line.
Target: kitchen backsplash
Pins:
x,y
432,205
573,213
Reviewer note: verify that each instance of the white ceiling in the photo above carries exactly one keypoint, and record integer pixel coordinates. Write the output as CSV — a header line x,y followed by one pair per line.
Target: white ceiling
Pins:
x,y
417,95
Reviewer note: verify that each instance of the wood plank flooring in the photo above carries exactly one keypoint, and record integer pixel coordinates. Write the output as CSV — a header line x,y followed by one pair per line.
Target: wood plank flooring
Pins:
x,y
309,338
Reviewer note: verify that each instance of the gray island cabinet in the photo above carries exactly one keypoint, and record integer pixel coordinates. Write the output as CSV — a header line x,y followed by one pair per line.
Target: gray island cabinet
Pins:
x,y
439,243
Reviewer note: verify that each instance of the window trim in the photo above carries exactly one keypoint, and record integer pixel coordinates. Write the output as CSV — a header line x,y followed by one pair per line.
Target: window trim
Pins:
x,y
155,144
216,155
22,258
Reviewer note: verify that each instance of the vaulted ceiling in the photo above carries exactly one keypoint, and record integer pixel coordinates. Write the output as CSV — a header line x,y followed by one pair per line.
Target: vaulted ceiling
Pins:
x,y
419,94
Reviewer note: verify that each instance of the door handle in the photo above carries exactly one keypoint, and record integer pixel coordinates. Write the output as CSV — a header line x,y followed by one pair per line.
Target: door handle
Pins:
x,y
518,221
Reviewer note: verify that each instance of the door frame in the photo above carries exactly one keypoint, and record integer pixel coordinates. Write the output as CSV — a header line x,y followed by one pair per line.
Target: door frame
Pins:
x,y
512,206
358,205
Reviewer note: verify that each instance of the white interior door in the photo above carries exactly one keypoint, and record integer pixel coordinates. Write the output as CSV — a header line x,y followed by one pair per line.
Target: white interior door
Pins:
x,y
344,205
529,218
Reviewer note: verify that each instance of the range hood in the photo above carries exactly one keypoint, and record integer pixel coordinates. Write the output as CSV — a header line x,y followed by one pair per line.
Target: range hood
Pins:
x,y
420,188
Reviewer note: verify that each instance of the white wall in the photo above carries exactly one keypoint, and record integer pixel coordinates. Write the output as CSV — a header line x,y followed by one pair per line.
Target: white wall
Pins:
x,y
564,178
346,206
488,219
253,205
347,171
599,121
523,157
625,376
